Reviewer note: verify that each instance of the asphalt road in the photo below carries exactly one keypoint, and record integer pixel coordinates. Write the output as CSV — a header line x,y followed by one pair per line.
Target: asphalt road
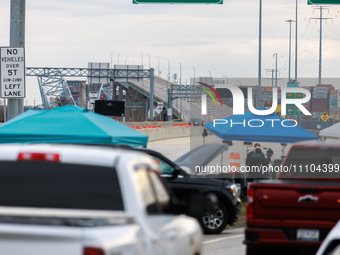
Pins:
x,y
228,242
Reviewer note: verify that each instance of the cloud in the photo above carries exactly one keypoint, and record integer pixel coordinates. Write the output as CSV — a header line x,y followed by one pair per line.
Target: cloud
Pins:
x,y
222,39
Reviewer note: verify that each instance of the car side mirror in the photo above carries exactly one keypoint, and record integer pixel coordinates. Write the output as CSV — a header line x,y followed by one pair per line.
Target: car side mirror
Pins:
x,y
177,171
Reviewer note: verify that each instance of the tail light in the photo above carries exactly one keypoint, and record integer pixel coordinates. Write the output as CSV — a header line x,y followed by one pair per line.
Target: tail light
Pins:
x,y
36,156
250,203
93,251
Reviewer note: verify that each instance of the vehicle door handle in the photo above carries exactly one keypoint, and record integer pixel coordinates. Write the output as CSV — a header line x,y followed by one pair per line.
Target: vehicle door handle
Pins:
x,y
171,235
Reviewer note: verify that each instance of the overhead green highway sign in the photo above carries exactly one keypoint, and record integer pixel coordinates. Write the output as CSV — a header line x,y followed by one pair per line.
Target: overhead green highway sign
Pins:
x,y
177,1
310,2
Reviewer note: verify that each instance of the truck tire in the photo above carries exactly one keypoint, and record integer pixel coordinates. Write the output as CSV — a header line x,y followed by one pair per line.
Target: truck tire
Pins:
x,y
216,221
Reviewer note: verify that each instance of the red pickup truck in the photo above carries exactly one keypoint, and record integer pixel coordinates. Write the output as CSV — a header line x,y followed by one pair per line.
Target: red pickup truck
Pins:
x,y
295,212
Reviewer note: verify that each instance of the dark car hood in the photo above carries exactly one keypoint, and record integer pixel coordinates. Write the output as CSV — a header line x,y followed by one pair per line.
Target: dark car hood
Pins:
x,y
201,155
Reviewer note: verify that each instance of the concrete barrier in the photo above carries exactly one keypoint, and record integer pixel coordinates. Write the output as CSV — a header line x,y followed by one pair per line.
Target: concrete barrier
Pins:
x,y
153,123
156,134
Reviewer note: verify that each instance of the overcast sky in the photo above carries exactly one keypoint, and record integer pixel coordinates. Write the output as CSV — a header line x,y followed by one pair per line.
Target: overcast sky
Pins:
x,y
222,39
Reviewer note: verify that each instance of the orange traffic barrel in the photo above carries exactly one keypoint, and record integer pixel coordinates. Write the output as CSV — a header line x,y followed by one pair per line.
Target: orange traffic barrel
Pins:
x,y
159,126
234,162
144,127
138,127
132,127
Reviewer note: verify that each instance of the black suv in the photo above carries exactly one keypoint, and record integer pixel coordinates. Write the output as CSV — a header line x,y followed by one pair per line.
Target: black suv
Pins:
x,y
185,186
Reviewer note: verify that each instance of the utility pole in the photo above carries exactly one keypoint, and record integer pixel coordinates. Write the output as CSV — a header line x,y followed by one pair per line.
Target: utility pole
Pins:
x,y
320,40
194,75
17,39
152,91
275,69
296,33
272,71
290,46
258,98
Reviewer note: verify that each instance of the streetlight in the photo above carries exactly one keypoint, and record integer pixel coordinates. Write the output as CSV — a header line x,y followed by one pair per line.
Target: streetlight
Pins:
x,y
149,60
158,67
111,59
126,59
142,58
210,73
180,73
180,83
118,59
168,71
275,69
194,75
169,94
239,82
227,78
290,47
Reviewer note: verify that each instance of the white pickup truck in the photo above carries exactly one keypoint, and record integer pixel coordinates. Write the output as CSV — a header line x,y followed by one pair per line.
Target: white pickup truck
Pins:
x,y
78,200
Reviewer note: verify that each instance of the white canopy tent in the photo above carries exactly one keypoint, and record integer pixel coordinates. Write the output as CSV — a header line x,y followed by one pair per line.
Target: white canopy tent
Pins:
x,y
332,131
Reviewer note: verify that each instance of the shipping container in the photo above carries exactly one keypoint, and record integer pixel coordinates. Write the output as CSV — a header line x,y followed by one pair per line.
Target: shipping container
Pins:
x,y
320,88
322,97
332,92
319,109
319,100
319,96
325,85
266,88
319,105
320,91
317,114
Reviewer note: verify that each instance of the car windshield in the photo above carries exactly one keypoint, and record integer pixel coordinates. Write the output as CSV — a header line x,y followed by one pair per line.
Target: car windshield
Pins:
x,y
56,185
312,163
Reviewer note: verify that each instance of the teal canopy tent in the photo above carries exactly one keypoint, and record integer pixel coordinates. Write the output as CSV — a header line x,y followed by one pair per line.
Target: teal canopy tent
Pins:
x,y
68,124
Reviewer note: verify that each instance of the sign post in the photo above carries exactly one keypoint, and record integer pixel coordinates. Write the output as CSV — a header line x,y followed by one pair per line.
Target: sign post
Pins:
x,y
12,72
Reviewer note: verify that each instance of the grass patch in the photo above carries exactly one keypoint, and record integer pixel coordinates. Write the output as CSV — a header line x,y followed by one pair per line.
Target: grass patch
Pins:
x,y
242,219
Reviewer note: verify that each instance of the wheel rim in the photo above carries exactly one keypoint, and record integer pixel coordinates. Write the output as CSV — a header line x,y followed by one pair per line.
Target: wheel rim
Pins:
x,y
213,220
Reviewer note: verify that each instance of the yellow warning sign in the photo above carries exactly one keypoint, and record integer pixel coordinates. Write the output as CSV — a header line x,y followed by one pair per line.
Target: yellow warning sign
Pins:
x,y
324,117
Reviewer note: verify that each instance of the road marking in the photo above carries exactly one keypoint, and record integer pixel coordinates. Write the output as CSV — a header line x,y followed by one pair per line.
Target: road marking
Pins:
x,y
224,238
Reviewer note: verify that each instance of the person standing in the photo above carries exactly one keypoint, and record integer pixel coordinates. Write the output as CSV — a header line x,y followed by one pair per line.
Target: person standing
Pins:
x,y
256,158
